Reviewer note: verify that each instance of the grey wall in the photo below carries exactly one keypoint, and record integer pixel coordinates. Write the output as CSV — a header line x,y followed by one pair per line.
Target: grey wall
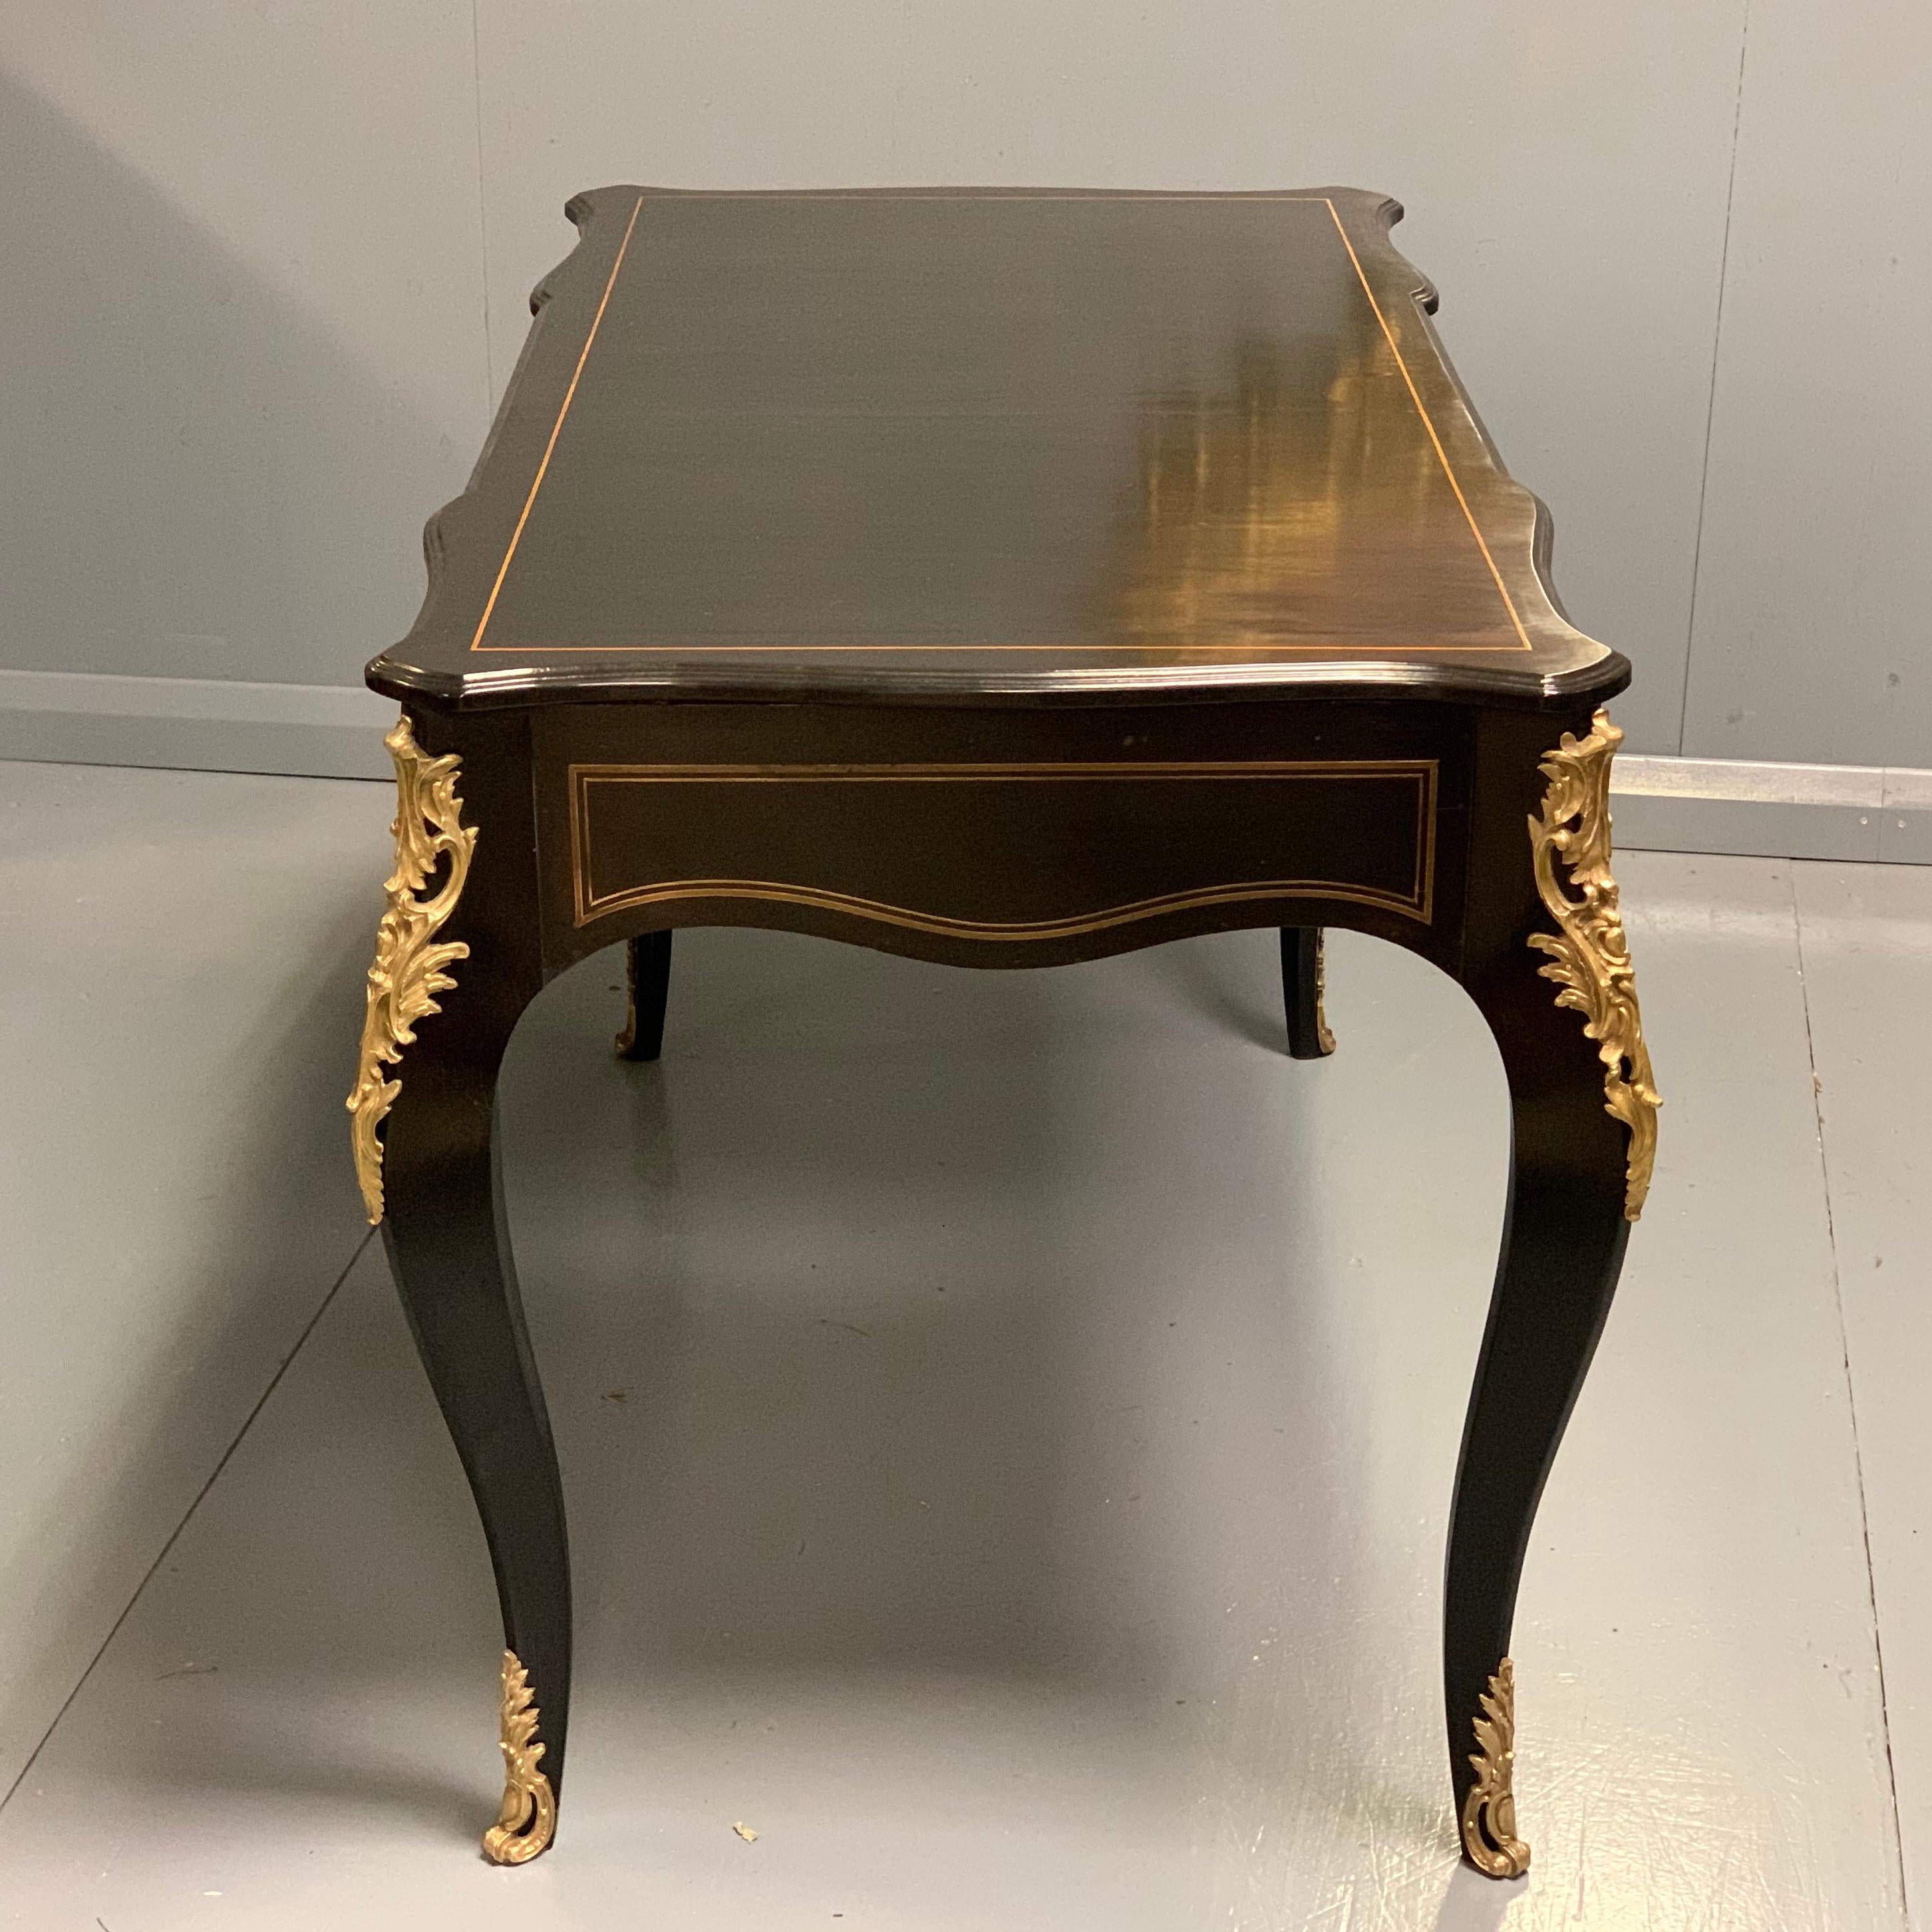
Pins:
x,y
1809,640
267,270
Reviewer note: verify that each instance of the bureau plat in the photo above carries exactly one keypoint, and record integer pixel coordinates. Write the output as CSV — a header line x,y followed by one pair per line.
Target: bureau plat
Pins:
x,y
1003,578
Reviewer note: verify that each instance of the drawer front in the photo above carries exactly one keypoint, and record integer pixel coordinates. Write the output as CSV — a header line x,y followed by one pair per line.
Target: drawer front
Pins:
x,y
1002,853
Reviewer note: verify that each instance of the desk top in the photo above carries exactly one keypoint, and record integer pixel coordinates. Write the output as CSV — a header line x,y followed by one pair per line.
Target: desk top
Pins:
x,y
987,446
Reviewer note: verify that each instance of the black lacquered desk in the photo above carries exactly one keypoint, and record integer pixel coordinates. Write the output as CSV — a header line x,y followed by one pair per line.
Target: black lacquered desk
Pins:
x,y
1003,579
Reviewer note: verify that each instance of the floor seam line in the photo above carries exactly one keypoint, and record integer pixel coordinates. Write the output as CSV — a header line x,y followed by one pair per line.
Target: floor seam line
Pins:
x,y
188,1516
1851,1409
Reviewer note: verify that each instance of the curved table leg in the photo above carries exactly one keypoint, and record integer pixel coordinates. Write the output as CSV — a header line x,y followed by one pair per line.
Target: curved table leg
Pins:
x,y
450,1252
441,1009
1563,1247
1302,979
647,975
1583,1109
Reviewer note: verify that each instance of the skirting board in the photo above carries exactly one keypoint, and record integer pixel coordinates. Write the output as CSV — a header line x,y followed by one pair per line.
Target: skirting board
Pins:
x,y
1659,804
1872,812
194,723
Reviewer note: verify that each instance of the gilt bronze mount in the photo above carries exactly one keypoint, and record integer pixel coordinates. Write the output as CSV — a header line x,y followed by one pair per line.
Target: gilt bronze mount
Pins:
x,y
408,971
1489,1811
527,1819
1589,955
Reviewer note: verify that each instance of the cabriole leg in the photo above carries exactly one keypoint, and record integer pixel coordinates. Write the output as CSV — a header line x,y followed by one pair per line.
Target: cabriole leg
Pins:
x,y
1558,991
647,977
1304,979
444,993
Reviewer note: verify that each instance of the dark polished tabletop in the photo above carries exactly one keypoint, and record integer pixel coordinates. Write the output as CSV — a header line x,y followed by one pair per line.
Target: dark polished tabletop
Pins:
x,y
976,444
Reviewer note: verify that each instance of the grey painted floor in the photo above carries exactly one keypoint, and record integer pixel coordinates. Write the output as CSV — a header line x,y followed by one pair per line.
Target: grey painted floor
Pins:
x,y
1008,1420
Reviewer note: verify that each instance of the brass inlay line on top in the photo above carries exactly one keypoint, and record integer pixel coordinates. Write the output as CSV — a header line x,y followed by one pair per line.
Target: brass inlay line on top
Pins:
x,y
1442,454
590,905
687,648
1172,655
556,430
